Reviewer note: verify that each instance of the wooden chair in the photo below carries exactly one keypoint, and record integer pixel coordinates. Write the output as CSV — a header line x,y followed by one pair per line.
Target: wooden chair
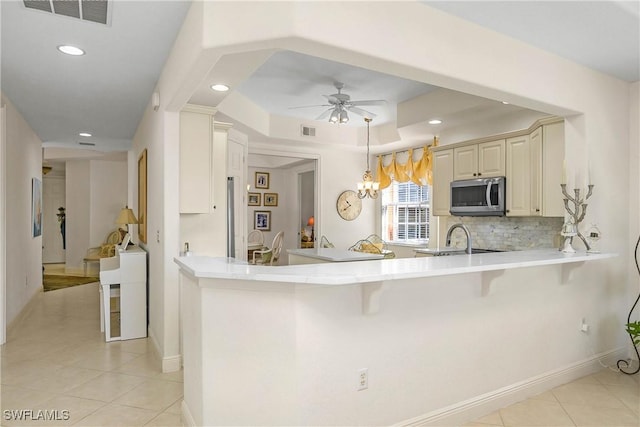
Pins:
x,y
269,255
106,250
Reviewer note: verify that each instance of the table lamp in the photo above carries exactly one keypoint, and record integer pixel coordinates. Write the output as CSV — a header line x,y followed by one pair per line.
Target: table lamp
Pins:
x,y
126,217
310,223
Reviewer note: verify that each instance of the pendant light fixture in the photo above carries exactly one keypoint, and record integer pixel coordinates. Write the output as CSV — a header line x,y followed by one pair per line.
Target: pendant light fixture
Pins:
x,y
368,187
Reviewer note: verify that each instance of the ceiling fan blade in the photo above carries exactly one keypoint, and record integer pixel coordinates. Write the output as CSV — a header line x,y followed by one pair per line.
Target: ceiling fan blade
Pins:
x,y
369,102
361,112
310,106
325,114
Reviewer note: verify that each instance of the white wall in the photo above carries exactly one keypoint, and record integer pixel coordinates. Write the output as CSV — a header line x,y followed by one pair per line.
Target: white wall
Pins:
x,y
24,252
453,54
108,189
96,190
634,189
78,196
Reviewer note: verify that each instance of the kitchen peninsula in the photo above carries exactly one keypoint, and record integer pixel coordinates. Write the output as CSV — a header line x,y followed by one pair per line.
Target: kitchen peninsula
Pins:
x,y
285,345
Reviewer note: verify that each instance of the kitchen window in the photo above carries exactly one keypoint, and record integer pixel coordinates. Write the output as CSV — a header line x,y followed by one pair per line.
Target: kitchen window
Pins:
x,y
405,213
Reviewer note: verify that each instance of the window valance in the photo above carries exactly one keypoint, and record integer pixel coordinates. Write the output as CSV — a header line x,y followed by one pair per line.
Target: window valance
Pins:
x,y
417,171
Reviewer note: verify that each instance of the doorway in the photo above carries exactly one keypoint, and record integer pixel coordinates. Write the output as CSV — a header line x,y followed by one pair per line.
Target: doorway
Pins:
x,y
54,221
307,208
284,195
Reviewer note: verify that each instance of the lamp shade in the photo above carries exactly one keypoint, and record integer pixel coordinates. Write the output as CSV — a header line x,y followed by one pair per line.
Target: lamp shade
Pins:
x,y
311,221
126,216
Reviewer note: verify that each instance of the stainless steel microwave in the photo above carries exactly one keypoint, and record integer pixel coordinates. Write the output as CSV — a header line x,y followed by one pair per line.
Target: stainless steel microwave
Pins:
x,y
478,197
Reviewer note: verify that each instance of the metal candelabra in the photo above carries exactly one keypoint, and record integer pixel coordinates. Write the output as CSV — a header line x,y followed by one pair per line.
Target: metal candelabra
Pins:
x,y
579,209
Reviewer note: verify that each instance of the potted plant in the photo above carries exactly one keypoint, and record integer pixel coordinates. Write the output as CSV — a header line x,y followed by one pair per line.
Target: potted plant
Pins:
x,y
633,329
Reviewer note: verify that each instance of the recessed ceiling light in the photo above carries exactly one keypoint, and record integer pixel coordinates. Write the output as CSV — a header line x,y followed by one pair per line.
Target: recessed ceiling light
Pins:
x,y
220,88
71,50
505,102
435,122
84,134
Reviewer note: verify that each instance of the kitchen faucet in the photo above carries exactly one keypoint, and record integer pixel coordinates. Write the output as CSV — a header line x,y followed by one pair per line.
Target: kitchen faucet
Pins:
x,y
466,231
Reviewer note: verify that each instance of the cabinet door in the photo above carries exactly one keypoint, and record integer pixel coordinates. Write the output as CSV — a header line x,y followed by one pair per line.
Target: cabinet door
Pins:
x,y
195,162
465,164
518,176
535,151
442,177
552,157
491,159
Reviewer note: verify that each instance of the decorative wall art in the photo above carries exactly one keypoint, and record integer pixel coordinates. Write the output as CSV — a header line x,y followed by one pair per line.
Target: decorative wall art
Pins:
x,y
271,199
254,199
262,220
36,207
142,196
262,180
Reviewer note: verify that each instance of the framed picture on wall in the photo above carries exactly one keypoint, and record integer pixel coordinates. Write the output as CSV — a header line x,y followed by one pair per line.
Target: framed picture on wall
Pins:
x,y
36,207
142,196
262,180
262,220
271,199
254,199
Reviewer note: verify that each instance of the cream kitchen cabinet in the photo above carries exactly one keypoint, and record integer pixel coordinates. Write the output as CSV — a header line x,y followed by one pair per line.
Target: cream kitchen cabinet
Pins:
x,y
483,160
442,177
518,175
203,143
531,159
534,164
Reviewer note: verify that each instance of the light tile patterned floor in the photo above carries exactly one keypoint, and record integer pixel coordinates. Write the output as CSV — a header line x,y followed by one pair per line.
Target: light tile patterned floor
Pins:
x,y
605,399
56,359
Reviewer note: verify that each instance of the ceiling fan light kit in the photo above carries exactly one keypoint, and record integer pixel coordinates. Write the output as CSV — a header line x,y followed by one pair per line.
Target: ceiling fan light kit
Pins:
x,y
340,105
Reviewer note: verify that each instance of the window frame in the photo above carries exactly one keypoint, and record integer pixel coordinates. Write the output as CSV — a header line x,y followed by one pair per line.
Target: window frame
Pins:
x,y
423,202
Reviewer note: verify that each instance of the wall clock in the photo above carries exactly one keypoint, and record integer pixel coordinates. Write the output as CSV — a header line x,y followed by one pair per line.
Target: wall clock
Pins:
x,y
349,205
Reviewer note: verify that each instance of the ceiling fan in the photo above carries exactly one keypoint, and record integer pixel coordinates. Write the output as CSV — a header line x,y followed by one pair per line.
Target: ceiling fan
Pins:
x,y
340,104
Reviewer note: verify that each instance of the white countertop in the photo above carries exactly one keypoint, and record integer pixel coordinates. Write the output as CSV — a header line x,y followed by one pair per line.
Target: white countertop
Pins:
x,y
344,273
335,255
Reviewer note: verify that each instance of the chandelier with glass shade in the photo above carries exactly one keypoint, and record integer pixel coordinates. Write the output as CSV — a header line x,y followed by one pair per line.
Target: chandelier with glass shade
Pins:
x,y
368,187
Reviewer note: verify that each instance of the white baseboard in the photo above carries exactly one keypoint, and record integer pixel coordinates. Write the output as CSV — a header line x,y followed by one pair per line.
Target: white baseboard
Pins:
x,y
167,363
23,314
478,406
187,418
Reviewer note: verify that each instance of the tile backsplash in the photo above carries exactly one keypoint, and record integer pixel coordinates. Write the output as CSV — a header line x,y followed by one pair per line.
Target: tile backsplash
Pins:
x,y
508,233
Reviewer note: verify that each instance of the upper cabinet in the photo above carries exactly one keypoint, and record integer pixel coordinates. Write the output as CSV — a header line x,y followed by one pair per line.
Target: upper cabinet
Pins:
x,y
518,185
530,159
534,164
484,160
196,159
203,160
442,176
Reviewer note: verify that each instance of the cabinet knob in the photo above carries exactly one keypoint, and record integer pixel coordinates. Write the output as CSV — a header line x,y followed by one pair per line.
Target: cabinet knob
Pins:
x,y
479,174
475,174
537,210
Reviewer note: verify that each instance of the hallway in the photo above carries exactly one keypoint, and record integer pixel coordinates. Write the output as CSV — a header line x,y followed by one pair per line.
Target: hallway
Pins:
x,y
56,360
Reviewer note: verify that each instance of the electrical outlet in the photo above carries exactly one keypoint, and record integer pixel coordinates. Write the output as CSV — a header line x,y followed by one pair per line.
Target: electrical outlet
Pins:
x,y
584,327
363,379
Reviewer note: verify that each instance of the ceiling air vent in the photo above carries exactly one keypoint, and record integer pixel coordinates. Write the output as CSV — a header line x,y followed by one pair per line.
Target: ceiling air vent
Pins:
x,y
308,131
86,10
92,144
